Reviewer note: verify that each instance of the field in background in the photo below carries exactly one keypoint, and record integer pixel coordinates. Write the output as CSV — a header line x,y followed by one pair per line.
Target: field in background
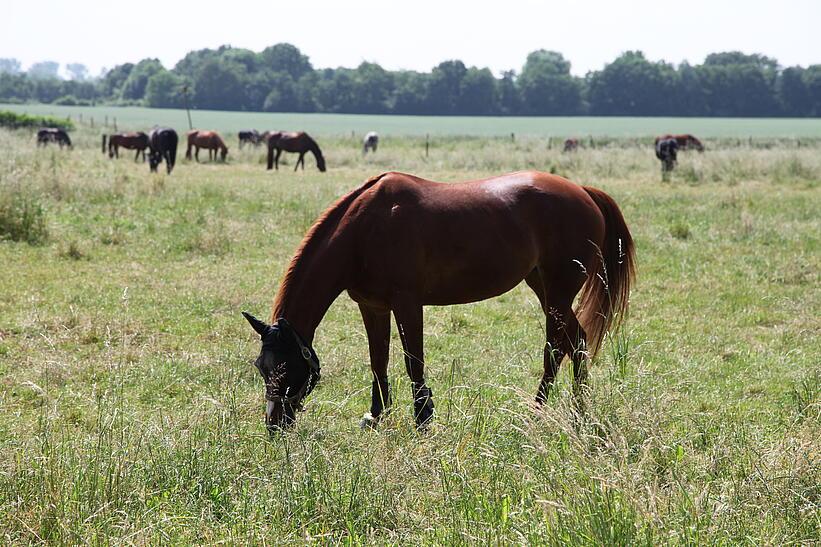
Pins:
x,y
344,124
130,411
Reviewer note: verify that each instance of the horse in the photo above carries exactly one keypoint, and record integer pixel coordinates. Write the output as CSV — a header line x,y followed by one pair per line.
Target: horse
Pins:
x,y
571,145
162,144
247,136
666,152
298,142
399,242
131,141
206,139
371,141
684,142
53,134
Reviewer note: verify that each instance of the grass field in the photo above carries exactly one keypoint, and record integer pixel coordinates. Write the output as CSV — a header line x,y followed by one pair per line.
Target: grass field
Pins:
x,y
130,411
343,124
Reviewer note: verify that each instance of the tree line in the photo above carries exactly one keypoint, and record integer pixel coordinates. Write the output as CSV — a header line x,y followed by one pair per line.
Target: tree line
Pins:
x,y
280,78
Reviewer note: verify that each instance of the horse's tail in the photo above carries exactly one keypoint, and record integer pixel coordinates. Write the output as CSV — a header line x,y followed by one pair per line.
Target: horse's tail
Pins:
x,y
104,143
314,148
605,297
270,154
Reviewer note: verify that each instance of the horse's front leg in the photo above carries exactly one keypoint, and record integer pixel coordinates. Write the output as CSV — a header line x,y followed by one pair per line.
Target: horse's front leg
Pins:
x,y
300,160
408,315
378,327
276,159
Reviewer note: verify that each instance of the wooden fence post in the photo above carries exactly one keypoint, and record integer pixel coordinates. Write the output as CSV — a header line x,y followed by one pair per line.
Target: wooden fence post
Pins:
x,y
427,144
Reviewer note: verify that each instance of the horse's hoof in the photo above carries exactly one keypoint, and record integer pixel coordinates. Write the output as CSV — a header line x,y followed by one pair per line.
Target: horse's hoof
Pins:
x,y
368,421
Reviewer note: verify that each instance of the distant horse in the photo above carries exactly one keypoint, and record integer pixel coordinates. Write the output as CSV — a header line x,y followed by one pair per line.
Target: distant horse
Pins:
x,y
131,141
666,152
398,243
298,142
162,143
249,136
571,145
371,141
53,134
684,142
209,140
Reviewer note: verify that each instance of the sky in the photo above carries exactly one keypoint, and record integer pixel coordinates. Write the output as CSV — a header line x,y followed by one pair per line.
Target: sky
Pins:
x,y
411,34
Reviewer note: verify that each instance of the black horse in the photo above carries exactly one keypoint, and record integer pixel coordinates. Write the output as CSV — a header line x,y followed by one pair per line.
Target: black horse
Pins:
x,y
53,134
666,150
249,136
162,144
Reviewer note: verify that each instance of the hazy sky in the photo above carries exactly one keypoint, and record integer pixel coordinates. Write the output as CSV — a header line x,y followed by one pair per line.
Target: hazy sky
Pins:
x,y
411,34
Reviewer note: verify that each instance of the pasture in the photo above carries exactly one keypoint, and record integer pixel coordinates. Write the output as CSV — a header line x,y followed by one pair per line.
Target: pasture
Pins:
x,y
130,411
336,125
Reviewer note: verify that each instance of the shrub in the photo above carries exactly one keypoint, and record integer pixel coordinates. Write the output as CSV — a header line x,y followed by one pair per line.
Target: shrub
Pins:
x,y
15,121
22,218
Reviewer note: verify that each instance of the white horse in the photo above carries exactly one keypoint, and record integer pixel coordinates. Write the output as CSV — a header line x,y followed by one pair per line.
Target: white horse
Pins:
x,y
371,141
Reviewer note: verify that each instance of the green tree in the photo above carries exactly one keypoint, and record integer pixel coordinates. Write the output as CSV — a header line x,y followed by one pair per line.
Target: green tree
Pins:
x,y
44,69
410,92
285,58
134,86
164,90
445,86
632,86
478,93
77,71
10,66
219,86
510,102
373,88
792,92
111,84
812,81
547,88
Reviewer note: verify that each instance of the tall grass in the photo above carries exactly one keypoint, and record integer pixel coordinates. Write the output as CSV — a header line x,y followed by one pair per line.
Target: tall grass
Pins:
x,y
130,411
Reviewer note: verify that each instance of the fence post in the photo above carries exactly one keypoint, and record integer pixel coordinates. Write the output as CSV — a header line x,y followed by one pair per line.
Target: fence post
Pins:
x,y
513,137
427,144
91,120
105,122
115,123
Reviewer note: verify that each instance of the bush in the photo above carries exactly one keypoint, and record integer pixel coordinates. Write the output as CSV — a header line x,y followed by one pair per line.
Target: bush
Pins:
x,y
15,121
71,100
22,218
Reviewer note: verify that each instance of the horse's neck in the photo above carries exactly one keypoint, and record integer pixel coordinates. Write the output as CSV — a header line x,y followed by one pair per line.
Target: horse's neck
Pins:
x,y
315,278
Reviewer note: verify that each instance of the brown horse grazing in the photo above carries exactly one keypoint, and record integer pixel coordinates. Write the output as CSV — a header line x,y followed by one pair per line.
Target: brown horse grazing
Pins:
x,y
684,141
398,243
299,142
131,141
571,145
206,139
53,134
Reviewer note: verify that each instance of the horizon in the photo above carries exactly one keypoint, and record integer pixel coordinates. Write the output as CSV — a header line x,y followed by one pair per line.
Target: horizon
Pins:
x,y
784,34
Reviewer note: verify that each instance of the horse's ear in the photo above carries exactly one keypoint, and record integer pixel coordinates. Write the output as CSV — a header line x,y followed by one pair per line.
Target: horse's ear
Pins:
x,y
259,326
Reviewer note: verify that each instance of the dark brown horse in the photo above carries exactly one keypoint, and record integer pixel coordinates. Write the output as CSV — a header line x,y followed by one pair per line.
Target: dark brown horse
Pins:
x,y
666,152
53,134
249,136
299,142
130,141
684,142
571,145
209,140
398,243
162,143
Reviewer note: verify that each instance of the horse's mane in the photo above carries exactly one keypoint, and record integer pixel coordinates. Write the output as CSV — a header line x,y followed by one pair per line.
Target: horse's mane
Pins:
x,y
316,234
314,147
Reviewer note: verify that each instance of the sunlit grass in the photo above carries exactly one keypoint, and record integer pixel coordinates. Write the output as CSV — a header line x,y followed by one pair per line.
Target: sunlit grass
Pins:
x,y
130,412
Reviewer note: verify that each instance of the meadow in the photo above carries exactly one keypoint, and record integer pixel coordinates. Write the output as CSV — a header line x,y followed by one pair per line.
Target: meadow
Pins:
x,y
130,412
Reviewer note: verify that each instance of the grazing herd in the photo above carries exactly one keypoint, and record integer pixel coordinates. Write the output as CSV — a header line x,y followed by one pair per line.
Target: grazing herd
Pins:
x,y
298,142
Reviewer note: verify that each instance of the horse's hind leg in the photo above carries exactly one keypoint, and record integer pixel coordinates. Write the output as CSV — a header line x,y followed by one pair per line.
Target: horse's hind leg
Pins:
x,y
564,334
378,326
408,315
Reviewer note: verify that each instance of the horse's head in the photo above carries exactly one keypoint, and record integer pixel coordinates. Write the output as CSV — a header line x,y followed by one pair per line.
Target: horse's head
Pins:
x,y
223,152
289,368
154,159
